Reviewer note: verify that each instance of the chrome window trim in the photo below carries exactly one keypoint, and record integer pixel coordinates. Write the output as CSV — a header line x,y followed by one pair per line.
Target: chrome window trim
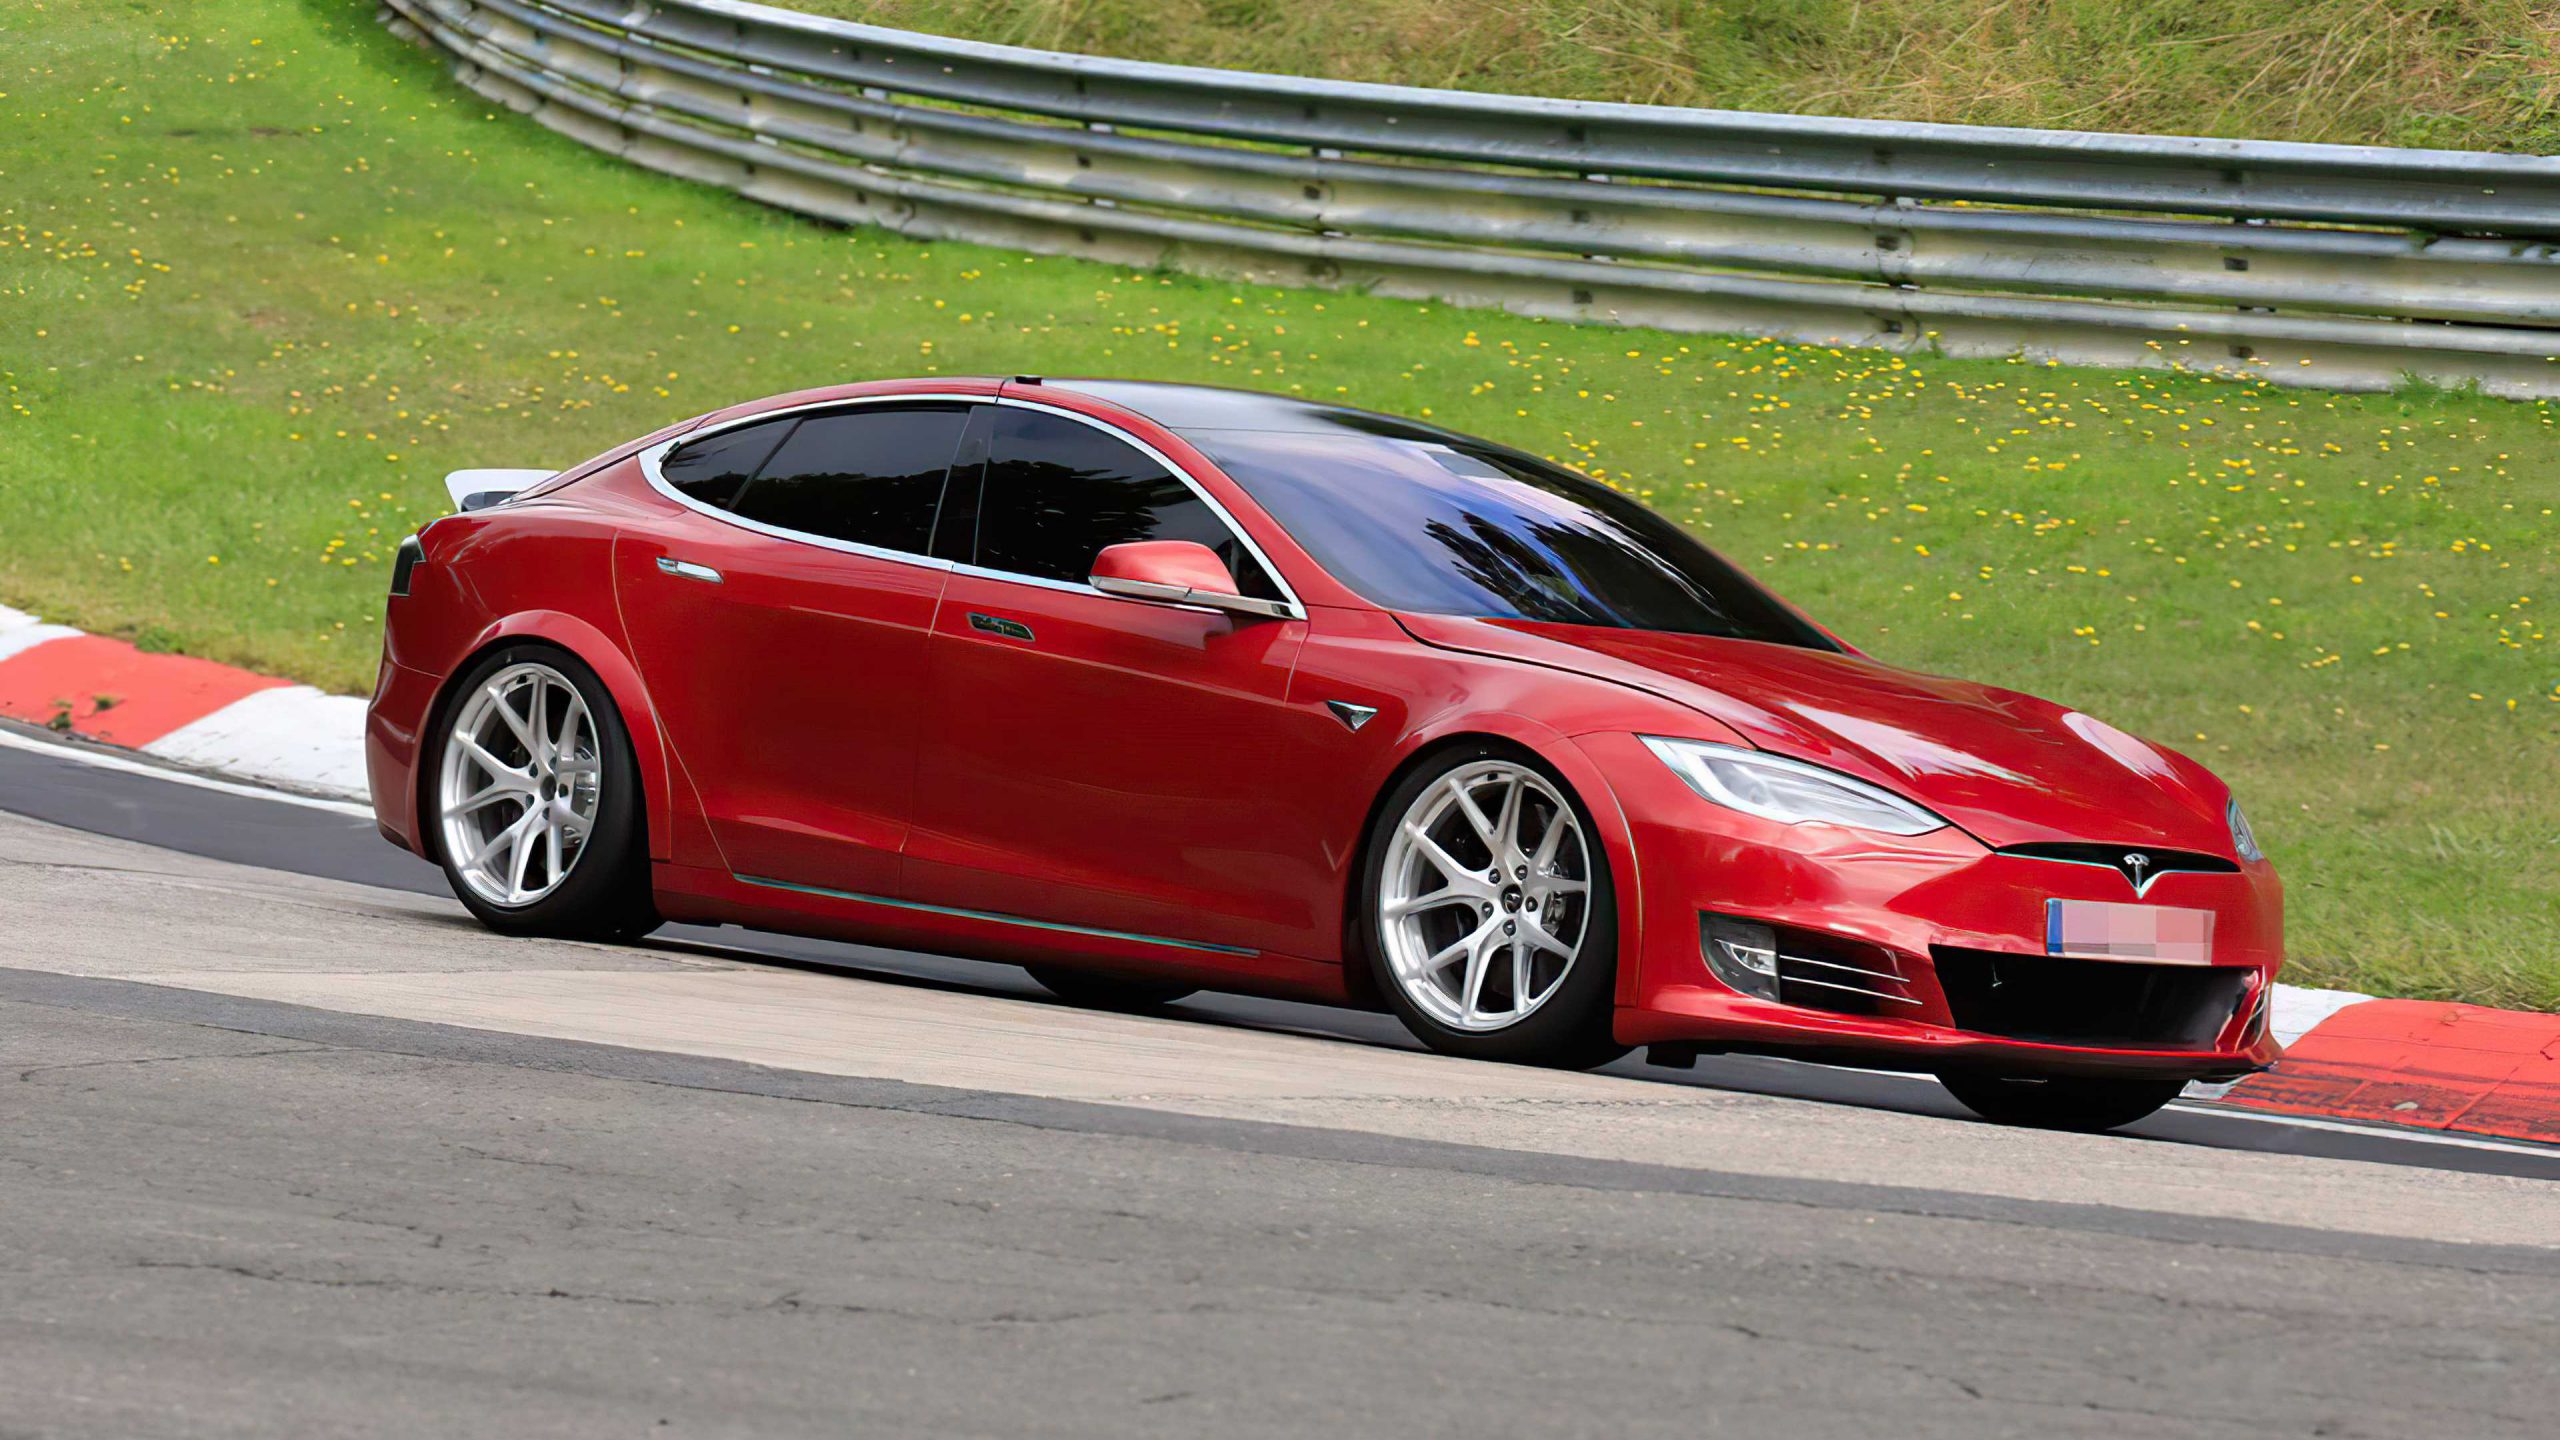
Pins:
x,y
981,572
649,468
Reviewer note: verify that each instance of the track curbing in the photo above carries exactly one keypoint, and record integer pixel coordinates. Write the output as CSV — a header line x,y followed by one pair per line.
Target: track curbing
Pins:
x,y
190,712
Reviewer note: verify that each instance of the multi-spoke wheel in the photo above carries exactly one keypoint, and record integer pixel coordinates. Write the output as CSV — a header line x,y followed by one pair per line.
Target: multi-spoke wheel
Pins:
x,y
1490,916
537,810
520,784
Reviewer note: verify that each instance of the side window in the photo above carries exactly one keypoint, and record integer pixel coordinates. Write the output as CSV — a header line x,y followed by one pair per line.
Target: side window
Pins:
x,y
872,475
1058,491
712,469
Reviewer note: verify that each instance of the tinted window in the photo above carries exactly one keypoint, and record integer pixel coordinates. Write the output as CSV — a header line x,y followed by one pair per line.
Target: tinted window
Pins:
x,y
872,476
1058,491
711,469
1439,524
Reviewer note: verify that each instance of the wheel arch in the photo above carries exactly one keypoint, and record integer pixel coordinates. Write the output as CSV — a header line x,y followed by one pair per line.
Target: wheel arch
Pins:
x,y
1550,748
589,646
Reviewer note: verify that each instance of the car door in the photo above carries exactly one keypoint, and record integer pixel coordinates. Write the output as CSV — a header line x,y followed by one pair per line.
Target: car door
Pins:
x,y
1095,761
780,619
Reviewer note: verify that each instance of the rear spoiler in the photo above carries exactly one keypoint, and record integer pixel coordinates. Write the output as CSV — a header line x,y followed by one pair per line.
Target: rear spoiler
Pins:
x,y
480,489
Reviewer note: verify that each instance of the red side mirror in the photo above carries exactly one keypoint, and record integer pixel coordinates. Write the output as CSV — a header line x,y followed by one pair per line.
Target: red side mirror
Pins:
x,y
1176,572
1182,564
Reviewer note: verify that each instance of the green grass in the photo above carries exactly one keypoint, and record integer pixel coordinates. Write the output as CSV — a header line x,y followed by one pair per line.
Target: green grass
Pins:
x,y
2475,74
265,275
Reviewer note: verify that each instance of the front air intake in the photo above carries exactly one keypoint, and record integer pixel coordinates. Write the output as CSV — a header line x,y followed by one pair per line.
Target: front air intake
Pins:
x,y
2113,1003
1852,979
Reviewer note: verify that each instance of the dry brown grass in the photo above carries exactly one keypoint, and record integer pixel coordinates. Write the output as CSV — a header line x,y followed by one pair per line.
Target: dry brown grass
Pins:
x,y
2482,74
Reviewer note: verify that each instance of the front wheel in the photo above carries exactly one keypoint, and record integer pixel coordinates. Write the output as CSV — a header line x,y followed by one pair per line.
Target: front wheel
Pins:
x,y
2059,1102
536,805
1488,915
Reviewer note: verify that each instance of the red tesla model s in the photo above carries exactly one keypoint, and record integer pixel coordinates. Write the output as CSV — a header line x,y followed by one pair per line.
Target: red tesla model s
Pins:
x,y
1151,688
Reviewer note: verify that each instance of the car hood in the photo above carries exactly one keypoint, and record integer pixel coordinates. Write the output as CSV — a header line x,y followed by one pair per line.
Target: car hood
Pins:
x,y
2009,768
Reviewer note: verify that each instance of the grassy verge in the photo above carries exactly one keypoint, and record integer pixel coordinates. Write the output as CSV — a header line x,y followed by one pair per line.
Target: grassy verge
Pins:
x,y
2468,74
266,275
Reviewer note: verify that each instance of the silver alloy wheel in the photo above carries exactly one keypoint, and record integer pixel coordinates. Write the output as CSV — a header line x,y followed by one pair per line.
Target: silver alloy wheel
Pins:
x,y
517,795
1482,906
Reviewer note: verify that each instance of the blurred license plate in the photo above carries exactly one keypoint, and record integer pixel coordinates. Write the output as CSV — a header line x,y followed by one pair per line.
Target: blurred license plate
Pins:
x,y
2098,930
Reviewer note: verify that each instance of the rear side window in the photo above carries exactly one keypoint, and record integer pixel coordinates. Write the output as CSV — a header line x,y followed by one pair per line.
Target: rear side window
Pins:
x,y
872,476
1058,491
713,469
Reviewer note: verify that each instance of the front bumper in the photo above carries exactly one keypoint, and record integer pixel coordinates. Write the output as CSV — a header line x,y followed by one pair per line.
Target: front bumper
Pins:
x,y
1943,914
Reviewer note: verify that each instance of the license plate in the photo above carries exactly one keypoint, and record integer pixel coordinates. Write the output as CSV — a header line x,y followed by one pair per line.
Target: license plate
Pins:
x,y
2102,930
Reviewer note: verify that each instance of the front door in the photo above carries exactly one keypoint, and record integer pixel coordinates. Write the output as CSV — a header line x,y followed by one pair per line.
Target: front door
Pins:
x,y
1098,761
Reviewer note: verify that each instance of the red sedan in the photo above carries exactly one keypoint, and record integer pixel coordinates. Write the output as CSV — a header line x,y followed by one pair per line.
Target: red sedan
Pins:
x,y
1151,688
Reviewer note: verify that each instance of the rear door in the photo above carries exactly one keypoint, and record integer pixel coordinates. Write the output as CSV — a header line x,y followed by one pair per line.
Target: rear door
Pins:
x,y
780,620
1101,762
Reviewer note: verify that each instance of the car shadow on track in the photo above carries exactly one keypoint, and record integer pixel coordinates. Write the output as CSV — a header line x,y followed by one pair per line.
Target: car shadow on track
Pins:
x,y
1743,1074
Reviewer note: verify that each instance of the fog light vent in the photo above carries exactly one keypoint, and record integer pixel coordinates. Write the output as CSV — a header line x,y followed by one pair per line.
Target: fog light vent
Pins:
x,y
1862,981
1741,954
1805,967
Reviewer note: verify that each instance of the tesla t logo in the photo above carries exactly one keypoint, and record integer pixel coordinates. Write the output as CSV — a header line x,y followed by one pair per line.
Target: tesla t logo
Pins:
x,y
2134,865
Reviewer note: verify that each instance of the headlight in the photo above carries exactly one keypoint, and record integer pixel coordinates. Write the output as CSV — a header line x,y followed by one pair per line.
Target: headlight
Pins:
x,y
1788,791
2243,839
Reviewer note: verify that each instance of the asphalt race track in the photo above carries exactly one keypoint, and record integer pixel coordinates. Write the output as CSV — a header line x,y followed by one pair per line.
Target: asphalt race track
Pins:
x,y
294,1148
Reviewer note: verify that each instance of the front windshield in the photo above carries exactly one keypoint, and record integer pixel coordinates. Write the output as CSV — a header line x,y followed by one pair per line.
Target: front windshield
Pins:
x,y
1434,523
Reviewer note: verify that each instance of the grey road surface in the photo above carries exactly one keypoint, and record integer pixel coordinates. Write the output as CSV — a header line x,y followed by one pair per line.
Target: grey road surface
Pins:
x,y
287,1155
268,833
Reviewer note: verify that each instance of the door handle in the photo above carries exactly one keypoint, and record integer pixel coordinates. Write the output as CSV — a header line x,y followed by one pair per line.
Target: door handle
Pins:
x,y
998,625
686,568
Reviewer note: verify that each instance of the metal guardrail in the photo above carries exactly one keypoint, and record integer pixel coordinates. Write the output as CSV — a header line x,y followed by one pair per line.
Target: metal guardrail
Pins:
x,y
2336,265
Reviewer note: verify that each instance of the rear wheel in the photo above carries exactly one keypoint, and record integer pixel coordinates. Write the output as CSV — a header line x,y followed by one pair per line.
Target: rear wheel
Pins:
x,y
536,805
2059,1102
1096,991
1489,918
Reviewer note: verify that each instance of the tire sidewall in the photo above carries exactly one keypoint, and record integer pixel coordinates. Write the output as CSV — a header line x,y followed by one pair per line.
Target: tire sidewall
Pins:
x,y
606,892
1572,1029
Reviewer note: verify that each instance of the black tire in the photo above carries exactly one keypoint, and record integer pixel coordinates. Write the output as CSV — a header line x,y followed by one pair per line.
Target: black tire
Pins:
x,y
1097,991
1570,1029
2059,1102
605,895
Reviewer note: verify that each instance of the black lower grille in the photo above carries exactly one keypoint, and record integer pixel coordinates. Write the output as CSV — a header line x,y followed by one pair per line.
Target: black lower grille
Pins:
x,y
2089,1002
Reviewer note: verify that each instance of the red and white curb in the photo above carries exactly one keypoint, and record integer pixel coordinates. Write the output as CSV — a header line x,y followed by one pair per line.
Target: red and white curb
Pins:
x,y
2458,1069
180,709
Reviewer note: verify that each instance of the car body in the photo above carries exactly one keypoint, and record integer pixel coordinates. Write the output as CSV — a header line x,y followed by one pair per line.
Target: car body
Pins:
x,y
961,741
